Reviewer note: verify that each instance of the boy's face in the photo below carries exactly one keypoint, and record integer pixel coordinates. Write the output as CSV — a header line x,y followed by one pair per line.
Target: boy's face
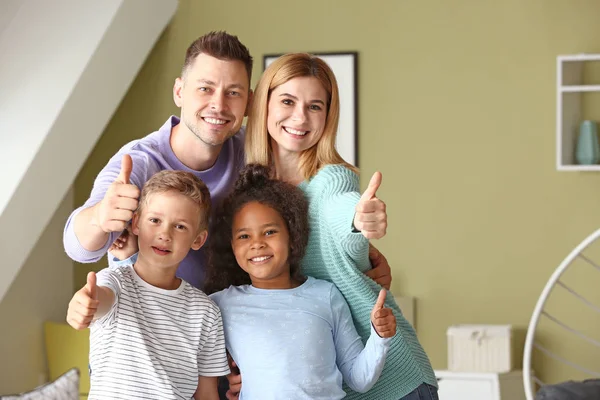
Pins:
x,y
261,245
167,229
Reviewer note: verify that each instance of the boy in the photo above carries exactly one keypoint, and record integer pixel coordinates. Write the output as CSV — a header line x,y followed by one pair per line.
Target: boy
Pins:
x,y
153,335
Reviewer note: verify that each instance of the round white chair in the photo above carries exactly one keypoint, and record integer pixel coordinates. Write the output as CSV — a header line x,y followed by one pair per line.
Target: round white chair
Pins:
x,y
579,264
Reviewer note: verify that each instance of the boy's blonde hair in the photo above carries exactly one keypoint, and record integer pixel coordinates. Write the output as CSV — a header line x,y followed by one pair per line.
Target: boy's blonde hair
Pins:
x,y
181,182
258,144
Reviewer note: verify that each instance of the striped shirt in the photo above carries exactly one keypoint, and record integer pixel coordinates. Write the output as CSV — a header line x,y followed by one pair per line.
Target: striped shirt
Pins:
x,y
154,343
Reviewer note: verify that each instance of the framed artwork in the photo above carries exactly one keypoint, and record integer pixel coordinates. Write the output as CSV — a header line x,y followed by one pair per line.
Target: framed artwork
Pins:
x,y
344,66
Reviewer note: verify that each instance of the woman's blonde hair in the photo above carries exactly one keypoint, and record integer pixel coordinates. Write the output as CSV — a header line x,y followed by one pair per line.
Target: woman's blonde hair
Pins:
x,y
258,144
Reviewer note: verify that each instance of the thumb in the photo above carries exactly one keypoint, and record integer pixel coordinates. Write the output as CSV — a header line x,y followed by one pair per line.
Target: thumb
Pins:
x,y
126,167
380,303
91,285
374,184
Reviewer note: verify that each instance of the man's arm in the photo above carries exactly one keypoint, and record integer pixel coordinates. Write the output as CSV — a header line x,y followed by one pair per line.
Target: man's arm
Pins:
x,y
104,216
93,225
207,388
381,271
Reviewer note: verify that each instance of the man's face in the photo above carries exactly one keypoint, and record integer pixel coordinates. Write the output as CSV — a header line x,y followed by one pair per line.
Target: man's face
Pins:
x,y
213,95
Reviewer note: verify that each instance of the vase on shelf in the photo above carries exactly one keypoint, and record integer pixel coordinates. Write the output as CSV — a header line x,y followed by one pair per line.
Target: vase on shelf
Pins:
x,y
588,147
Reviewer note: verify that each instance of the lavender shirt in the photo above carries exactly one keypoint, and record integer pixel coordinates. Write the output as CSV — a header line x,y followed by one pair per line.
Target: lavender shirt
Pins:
x,y
150,155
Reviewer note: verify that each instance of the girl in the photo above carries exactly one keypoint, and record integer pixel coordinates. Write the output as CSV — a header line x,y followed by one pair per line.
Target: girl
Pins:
x,y
292,127
291,337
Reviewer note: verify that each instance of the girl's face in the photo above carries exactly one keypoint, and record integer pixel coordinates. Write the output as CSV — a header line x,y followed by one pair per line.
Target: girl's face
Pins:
x,y
296,116
261,245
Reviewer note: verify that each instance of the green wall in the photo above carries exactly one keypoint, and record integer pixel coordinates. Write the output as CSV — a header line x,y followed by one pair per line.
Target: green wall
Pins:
x,y
457,110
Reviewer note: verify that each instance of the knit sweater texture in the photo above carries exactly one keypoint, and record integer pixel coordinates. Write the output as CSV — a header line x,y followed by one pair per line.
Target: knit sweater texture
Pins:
x,y
337,254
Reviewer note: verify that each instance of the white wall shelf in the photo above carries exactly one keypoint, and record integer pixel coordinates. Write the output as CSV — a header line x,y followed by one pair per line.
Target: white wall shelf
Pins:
x,y
569,89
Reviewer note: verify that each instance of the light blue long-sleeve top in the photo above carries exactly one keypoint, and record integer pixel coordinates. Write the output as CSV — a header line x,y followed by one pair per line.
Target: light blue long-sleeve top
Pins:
x,y
297,343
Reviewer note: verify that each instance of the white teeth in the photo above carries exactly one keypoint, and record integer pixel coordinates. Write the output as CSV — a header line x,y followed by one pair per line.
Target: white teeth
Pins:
x,y
259,259
295,132
215,121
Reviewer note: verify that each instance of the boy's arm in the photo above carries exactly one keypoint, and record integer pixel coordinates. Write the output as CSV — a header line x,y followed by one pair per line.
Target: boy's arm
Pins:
x,y
207,388
212,355
360,366
89,303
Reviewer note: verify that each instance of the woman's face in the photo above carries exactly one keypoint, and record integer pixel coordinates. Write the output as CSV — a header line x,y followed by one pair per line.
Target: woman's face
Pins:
x,y
297,112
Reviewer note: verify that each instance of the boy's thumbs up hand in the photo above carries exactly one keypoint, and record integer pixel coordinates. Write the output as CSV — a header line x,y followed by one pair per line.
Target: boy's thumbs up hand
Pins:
x,y
116,209
371,217
383,318
84,304
90,286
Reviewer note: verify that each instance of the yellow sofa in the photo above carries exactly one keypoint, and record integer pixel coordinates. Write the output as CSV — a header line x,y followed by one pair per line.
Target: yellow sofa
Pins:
x,y
67,348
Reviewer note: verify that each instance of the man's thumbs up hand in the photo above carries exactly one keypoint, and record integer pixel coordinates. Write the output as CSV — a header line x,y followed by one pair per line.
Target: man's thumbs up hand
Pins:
x,y
126,167
371,217
116,209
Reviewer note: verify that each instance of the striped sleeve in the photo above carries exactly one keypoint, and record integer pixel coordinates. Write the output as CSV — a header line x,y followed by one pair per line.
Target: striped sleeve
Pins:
x,y
109,277
212,357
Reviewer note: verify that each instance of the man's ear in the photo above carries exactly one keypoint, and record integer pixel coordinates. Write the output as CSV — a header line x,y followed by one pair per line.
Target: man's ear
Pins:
x,y
177,89
250,99
200,240
134,223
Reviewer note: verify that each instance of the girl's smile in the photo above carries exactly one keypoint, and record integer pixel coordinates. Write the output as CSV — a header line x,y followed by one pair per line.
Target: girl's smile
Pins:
x,y
260,242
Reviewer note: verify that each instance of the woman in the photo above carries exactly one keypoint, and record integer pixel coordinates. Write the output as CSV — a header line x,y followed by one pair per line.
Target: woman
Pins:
x,y
292,128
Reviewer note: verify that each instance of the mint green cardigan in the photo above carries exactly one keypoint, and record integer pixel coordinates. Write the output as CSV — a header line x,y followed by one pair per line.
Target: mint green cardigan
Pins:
x,y
336,254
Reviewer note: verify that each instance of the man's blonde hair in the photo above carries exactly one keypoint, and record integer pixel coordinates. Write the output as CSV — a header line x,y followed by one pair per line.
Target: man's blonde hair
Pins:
x,y
258,144
181,182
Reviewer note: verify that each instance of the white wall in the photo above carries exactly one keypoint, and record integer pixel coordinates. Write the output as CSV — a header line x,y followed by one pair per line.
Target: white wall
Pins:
x,y
40,292
65,67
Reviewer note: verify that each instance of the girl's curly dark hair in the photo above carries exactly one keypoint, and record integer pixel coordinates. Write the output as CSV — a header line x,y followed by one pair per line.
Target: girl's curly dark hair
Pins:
x,y
255,184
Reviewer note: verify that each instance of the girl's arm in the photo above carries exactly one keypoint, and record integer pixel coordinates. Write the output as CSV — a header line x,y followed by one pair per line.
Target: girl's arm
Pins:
x,y
360,366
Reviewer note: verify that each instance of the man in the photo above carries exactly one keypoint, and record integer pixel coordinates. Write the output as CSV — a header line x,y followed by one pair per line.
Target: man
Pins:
x,y
213,93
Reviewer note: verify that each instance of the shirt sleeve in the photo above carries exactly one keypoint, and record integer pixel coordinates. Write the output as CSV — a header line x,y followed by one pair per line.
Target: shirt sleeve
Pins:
x,y
111,279
212,356
339,208
360,365
114,262
141,169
